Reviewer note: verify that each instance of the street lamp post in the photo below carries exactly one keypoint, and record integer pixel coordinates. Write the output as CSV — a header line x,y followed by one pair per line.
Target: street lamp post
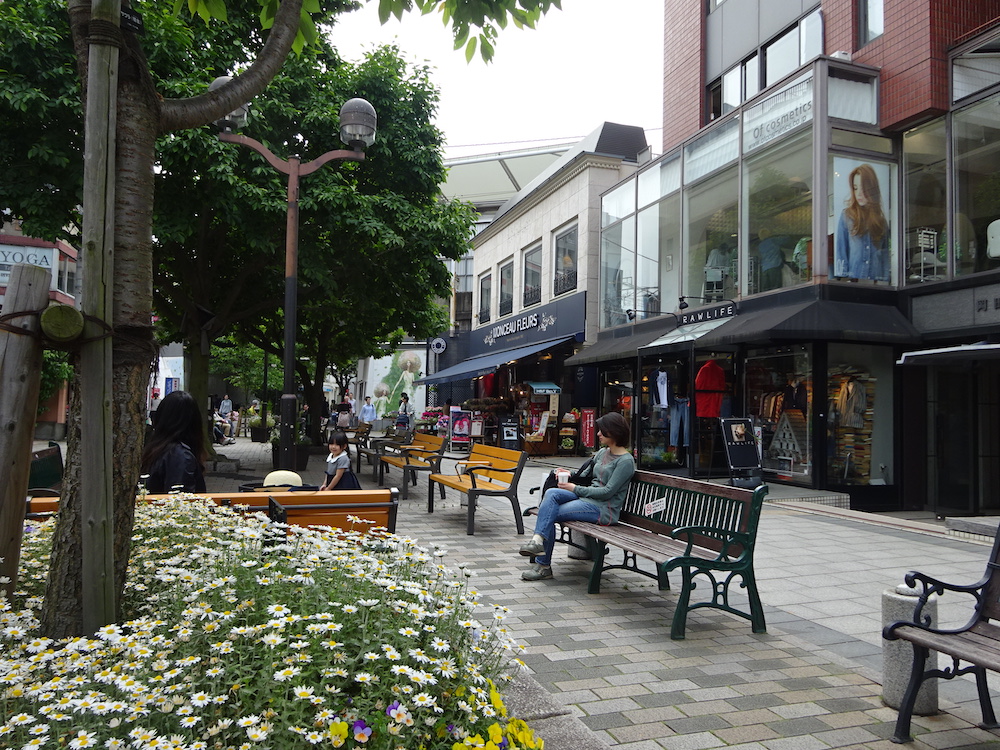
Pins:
x,y
357,129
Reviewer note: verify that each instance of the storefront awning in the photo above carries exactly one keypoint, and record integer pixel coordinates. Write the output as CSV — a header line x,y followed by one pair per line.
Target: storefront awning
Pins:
x,y
605,350
684,335
818,320
544,388
487,363
951,355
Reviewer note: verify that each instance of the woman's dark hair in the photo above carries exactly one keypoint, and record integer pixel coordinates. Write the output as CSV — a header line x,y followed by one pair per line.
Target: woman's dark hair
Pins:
x,y
339,437
178,420
614,426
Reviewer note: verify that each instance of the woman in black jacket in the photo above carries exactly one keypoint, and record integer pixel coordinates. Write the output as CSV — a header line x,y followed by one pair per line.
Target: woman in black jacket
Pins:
x,y
174,455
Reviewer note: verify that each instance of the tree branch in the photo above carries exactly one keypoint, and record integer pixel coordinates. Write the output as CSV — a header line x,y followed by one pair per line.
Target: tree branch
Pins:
x,y
193,112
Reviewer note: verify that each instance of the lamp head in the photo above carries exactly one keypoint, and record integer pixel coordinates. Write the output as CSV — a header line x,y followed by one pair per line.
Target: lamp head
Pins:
x,y
358,122
235,119
682,304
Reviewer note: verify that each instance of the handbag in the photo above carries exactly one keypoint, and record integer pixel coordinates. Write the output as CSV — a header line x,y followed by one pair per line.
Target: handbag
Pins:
x,y
584,475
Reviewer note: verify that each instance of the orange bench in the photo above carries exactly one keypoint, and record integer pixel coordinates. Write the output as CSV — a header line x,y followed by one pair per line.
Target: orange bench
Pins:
x,y
487,472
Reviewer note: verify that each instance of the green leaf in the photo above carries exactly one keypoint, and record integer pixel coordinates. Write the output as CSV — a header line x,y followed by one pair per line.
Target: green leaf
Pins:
x,y
217,8
485,48
470,50
311,6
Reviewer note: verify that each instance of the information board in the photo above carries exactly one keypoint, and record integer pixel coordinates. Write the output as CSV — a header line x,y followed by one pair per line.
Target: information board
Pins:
x,y
460,427
741,444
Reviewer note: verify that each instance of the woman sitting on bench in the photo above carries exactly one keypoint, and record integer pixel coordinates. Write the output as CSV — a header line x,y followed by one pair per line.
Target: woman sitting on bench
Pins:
x,y
600,503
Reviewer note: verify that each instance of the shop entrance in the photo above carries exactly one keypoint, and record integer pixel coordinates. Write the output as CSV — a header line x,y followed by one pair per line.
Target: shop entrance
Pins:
x,y
964,440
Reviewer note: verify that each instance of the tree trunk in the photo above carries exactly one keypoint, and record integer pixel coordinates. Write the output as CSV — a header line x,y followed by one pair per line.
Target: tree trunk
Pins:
x,y
196,366
133,351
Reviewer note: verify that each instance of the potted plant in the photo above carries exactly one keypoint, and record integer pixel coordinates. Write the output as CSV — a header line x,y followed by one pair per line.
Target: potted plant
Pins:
x,y
301,449
259,429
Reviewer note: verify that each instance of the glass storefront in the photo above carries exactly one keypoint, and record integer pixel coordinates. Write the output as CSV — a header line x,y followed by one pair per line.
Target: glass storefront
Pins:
x,y
713,237
778,392
618,272
861,218
859,415
778,210
925,255
664,415
976,143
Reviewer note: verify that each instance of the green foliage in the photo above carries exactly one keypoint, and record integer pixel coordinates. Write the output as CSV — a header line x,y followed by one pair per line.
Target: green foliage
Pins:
x,y
56,370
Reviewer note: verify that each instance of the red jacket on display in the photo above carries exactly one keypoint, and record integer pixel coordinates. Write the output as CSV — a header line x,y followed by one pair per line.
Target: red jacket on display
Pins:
x,y
709,386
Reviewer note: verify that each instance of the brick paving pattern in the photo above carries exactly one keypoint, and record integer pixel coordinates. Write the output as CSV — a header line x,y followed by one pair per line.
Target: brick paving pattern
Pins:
x,y
812,681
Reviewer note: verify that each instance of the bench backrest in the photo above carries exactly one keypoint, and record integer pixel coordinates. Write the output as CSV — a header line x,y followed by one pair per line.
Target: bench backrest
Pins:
x,y
506,464
429,442
46,467
989,604
360,504
690,502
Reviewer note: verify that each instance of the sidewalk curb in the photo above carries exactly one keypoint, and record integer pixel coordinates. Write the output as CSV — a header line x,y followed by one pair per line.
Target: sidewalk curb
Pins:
x,y
552,721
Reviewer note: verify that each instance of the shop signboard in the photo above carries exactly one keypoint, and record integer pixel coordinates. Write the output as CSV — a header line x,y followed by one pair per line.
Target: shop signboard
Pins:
x,y
170,385
460,429
741,443
508,434
588,427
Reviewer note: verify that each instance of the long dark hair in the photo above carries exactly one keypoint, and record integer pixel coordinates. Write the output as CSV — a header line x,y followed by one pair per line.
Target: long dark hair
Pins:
x,y
178,420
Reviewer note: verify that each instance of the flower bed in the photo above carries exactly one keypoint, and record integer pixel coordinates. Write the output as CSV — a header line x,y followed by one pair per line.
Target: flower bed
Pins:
x,y
246,634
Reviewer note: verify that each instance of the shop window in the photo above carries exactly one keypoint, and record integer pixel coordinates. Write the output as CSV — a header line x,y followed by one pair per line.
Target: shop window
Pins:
x,y
485,297
665,420
861,221
533,276
779,398
507,288
617,392
871,20
779,187
925,253
658,257
659,180
859,420
566,262
617,273
712,237
976,144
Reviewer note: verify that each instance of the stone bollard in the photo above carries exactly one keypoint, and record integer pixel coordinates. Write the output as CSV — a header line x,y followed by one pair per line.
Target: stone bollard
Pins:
x,y
897,656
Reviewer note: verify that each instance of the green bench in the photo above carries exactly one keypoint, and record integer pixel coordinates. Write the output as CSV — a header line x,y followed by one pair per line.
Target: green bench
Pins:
x,y
702,529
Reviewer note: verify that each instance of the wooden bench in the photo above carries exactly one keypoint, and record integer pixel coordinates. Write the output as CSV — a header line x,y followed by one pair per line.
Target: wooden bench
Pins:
x,y
46,468
376,447
328,508
411,458
699,528
977,643
487,472
374,507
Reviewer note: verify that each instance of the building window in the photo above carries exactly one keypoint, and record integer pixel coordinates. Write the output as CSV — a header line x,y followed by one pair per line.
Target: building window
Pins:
x,y
485,297
617,273
975,133
924,164
533,276
864,248
566,260
507,288
712,237
871,20
66,280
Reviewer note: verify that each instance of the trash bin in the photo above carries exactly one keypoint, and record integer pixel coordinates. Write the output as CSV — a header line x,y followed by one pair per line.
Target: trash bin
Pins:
x,y
897,656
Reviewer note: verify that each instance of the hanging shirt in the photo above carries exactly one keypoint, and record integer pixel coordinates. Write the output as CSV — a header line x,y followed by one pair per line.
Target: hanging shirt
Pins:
x,y
709,385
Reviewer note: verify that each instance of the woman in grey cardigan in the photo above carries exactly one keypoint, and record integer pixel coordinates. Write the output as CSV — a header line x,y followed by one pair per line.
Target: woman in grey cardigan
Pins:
x,y
601,502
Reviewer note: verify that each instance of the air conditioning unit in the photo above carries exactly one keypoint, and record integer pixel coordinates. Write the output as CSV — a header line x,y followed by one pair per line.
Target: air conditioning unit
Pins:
x,y
841,55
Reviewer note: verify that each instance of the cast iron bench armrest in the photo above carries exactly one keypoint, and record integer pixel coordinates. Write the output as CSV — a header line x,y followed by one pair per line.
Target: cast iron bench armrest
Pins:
x,y
928,587
727,537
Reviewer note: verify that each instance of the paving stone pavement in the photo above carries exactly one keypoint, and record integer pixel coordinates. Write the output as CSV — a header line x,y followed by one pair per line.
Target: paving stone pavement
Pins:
x,y
608,665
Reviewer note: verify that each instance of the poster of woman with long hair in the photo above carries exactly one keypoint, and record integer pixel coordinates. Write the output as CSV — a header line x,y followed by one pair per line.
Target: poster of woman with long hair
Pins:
x,y
862,239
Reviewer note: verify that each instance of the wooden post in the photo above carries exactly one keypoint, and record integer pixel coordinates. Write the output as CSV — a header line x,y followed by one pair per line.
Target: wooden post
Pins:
x,y
20,379
96,444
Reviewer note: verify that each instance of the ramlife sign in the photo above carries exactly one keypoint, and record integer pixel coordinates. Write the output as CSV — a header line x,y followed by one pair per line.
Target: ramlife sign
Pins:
x,y
727,310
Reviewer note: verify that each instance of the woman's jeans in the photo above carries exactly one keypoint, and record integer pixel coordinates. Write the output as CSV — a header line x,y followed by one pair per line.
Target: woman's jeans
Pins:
x,y
560,505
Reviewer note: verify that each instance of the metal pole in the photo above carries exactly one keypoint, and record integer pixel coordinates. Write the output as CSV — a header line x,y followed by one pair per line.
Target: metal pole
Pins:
x,y
286,459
